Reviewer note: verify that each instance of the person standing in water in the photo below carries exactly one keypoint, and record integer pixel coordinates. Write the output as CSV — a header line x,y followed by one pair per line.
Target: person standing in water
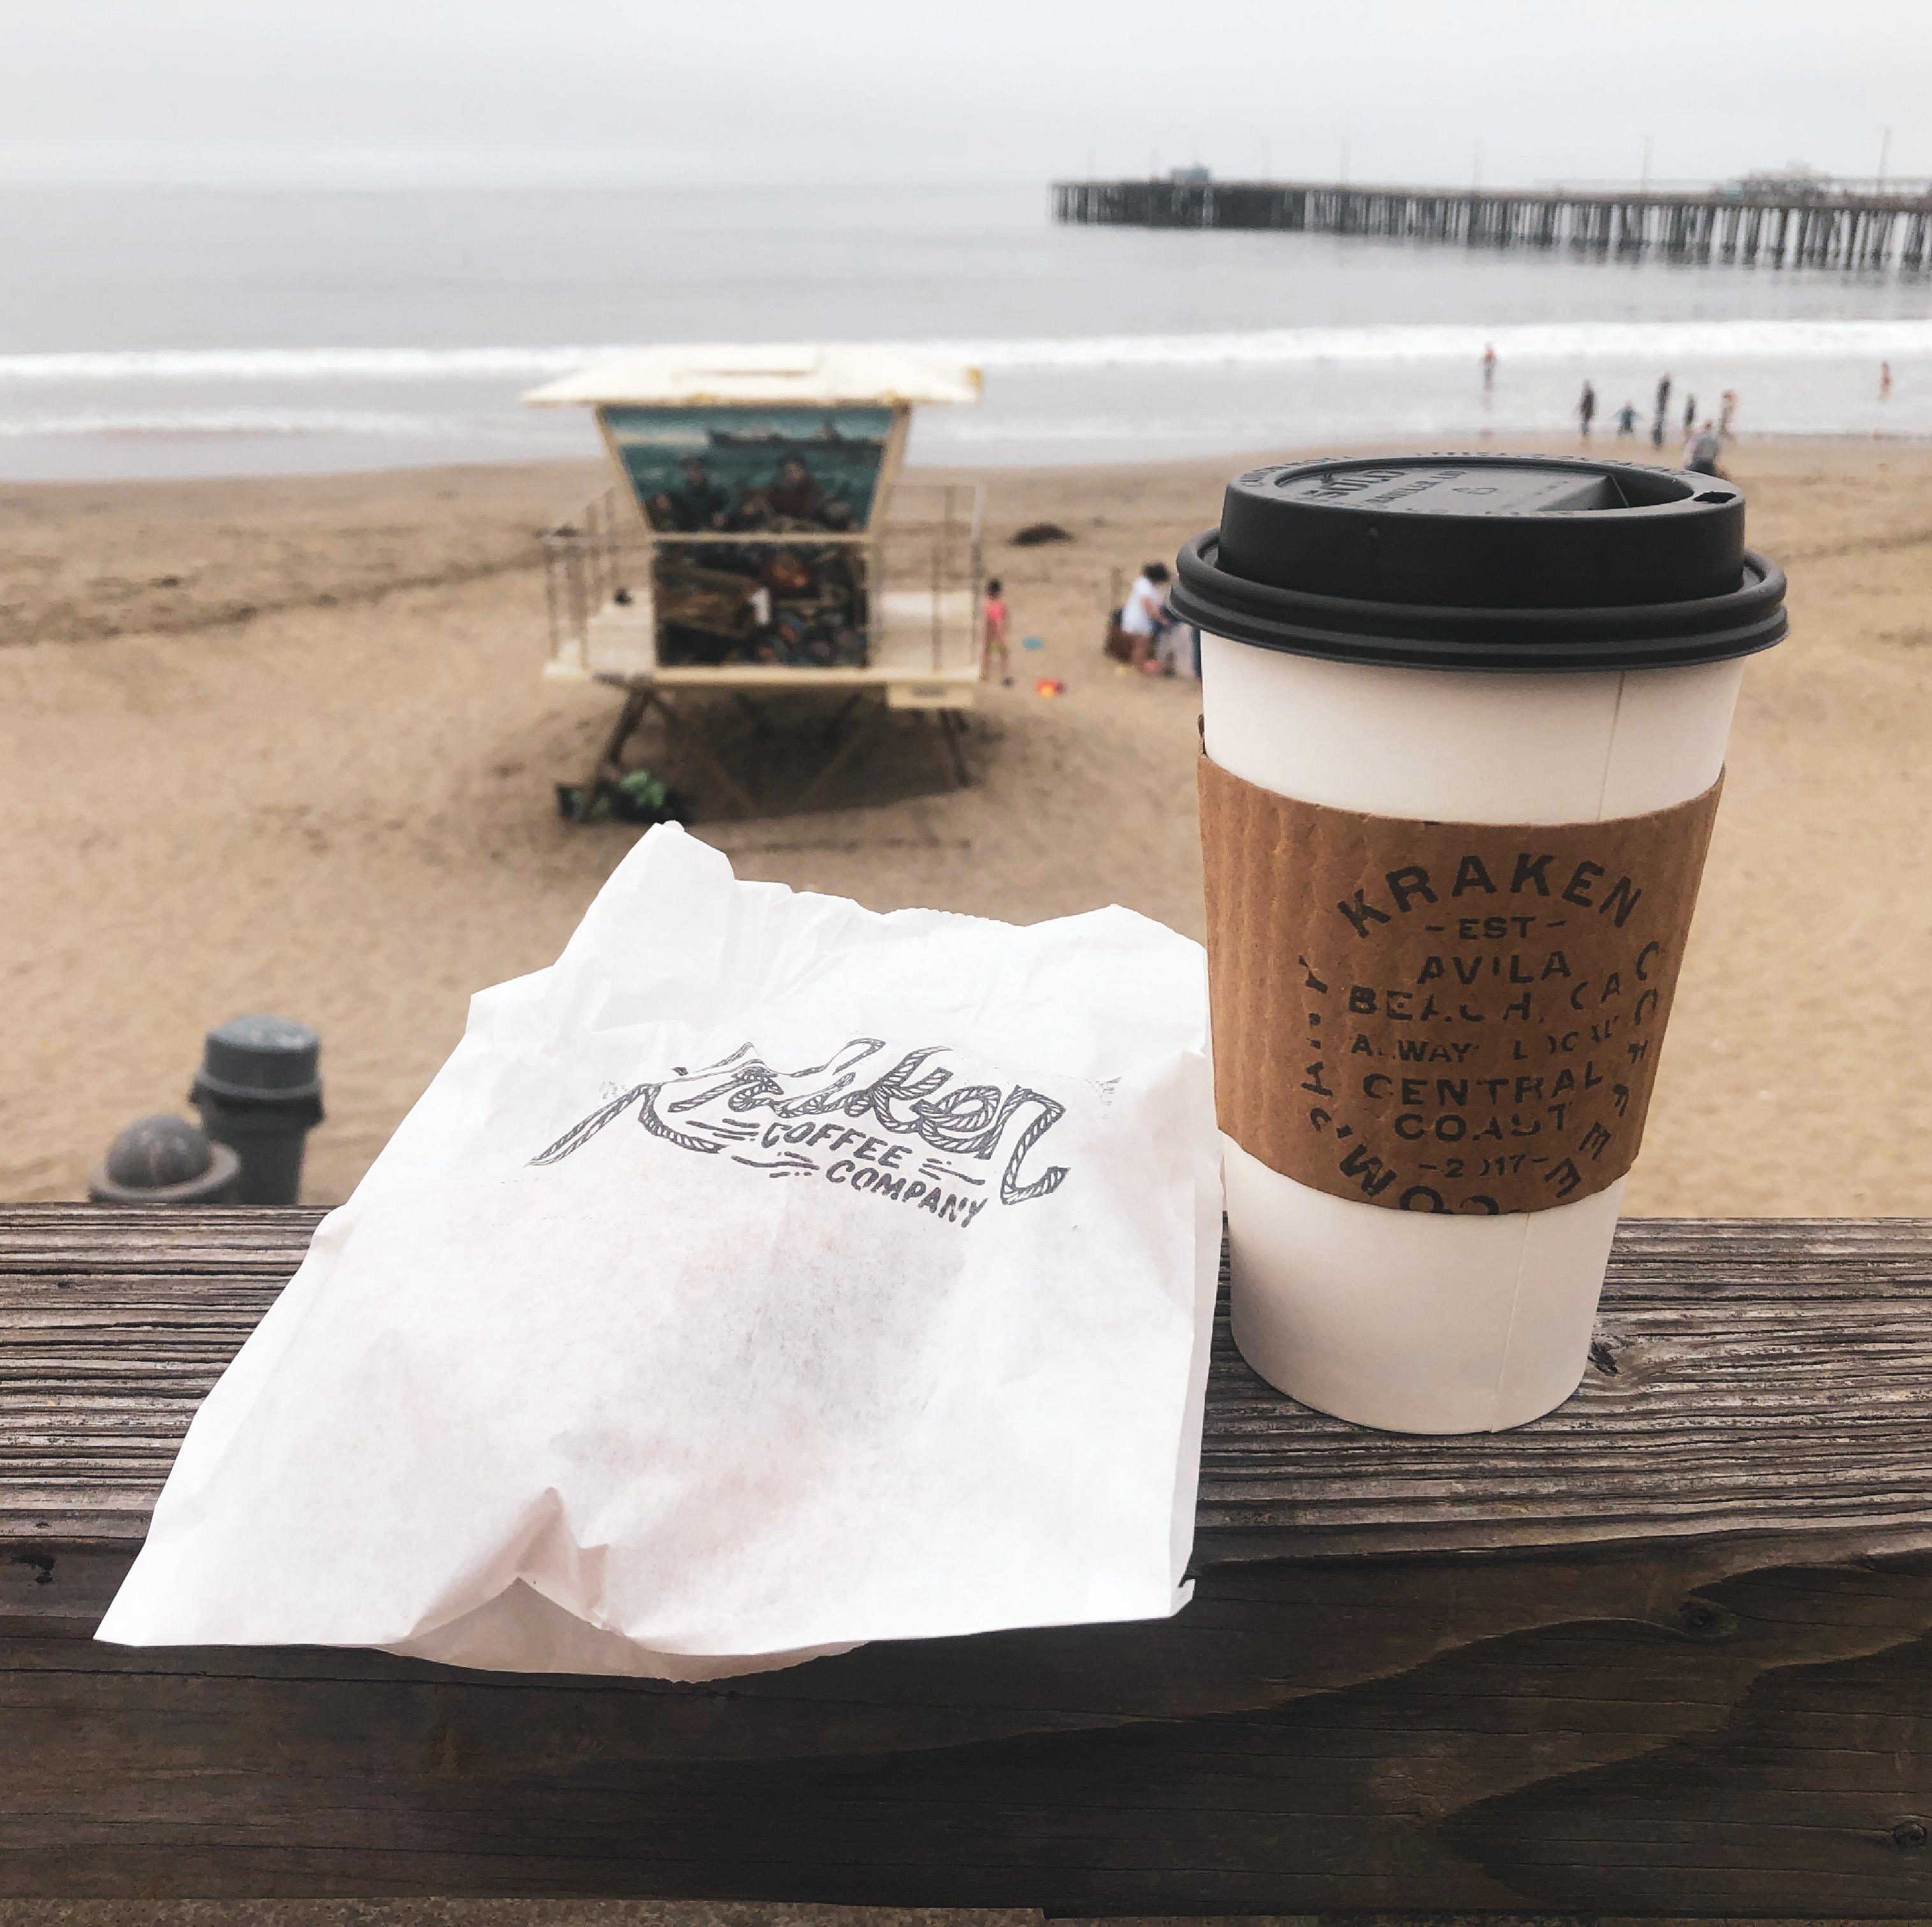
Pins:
x,y
1885,381
1489,364
1586,409
1663,411
1724,414
993,624
1690,412
1626,421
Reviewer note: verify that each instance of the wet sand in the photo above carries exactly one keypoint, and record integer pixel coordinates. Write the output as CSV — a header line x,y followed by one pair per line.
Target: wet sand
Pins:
x,y
285,747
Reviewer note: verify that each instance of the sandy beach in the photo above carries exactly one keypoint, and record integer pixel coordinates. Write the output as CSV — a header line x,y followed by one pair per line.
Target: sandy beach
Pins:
x,y
285,746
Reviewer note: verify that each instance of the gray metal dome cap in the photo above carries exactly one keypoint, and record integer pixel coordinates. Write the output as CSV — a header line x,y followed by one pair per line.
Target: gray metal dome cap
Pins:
x,y
164,1160
260,1059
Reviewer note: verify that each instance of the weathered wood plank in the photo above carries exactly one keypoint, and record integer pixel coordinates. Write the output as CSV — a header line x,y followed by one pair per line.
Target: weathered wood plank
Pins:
x,y
1304,1739
1692,1675
41,1241
1768,1377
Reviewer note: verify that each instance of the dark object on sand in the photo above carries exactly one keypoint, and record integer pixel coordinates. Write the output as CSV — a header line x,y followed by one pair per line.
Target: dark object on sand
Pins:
x,y
639,797
259,1092
1035,533
163,1159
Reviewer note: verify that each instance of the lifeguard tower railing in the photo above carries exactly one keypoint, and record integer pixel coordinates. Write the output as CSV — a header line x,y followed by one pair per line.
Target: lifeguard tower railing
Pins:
x,y
922,569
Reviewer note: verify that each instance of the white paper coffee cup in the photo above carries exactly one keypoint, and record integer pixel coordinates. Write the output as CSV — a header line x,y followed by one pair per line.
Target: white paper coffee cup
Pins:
x,y
1388,1318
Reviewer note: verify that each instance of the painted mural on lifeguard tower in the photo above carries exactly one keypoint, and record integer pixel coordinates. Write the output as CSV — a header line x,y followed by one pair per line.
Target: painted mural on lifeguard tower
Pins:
x,y
762,475
713,470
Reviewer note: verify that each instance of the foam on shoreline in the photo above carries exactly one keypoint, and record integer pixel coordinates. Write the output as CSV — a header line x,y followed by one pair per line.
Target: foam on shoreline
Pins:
x,y
1542,341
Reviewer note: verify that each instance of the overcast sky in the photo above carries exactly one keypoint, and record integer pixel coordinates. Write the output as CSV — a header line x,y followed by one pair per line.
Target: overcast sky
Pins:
x,y
508,92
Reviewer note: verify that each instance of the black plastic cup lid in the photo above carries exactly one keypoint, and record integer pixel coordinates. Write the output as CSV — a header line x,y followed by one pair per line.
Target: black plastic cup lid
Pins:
x,y
1483,562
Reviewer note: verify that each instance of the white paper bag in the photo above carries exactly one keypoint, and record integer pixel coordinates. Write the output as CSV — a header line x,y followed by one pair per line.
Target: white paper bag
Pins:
x,y
766,1276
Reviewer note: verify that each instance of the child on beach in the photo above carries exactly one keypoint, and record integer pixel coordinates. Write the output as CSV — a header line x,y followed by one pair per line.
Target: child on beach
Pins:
x,y
993,637
1143,616
1701,452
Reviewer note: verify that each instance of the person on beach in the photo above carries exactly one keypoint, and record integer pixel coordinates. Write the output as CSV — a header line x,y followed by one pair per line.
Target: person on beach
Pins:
x,y
1701,452
1586,409
1143,614
993,636
1663,411
1885,381
1489,364
1690,412
1626,421
1724,413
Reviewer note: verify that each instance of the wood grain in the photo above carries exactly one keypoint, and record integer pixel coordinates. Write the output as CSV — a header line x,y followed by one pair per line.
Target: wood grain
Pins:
x,y
1667,1652
1767,1377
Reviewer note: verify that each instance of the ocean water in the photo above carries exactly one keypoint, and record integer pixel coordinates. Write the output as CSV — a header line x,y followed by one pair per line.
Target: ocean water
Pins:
x,y
187,332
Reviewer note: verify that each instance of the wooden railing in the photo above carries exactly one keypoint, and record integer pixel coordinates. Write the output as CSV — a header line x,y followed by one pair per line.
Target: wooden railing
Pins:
x,y
1667,1651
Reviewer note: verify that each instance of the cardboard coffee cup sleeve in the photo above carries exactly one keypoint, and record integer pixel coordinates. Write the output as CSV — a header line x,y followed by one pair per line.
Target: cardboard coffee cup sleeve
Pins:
x,y
1441,1017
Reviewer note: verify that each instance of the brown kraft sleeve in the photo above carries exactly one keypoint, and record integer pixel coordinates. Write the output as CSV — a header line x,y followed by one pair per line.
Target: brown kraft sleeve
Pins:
x,y
1441,1017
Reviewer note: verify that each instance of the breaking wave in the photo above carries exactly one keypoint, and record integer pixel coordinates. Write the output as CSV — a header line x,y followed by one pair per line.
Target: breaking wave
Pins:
x,y
135,424
280,364
1551,341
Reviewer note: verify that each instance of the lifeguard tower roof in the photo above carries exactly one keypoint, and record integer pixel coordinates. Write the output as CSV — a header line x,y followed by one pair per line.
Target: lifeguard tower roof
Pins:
x,y
808,372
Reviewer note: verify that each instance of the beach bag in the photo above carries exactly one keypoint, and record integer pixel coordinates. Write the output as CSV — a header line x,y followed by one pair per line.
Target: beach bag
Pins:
x,y
765,1277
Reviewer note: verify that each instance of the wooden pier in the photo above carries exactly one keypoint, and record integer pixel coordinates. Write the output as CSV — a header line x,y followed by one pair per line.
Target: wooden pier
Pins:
x,y
1844,229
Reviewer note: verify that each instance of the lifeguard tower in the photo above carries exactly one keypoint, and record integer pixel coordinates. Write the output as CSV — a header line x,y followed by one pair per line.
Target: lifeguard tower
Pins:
x,y
759,541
